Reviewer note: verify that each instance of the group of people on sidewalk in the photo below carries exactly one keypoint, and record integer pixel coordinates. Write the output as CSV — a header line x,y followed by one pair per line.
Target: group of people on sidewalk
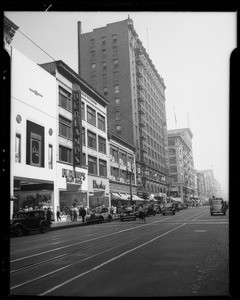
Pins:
x,y
74,212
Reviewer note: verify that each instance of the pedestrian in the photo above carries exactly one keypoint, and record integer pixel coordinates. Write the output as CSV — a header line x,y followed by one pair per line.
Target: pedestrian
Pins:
x,y
49,217
58,214
82,213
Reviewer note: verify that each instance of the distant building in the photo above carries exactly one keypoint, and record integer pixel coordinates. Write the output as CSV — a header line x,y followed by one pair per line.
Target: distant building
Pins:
x,y
181,163
207,184
114,61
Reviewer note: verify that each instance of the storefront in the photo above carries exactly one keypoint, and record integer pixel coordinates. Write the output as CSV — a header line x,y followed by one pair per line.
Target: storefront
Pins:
x,y
98,188
72,187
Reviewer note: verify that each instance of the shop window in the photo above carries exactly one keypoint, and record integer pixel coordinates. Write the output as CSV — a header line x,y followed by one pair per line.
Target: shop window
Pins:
x,y
92,140
65,127
65,100
50,156
91,116
101,122
102,168
101,144
92,165
18,148
65,154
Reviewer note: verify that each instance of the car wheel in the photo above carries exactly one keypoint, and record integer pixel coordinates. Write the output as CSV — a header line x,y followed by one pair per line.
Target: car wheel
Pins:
x,y
134,219
163,214
19,231
43,227
109,218
101,219
121,220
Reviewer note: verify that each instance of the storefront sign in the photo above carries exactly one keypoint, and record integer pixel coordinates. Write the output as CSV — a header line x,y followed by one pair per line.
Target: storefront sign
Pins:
x,y
77,129
98,185
73,176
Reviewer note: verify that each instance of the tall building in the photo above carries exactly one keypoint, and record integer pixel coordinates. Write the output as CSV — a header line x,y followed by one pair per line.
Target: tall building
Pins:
x,y
113,60
181,164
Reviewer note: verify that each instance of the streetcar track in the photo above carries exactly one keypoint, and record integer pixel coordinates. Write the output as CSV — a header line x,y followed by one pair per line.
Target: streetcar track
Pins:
x,y
81,242
81,260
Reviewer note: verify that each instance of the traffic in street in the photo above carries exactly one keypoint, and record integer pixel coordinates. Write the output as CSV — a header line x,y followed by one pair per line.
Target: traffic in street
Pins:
x,y
185,254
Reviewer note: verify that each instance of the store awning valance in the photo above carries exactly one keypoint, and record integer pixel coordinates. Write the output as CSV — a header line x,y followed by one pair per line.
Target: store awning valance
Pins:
x,y
116,196
136,198
124,196
176,199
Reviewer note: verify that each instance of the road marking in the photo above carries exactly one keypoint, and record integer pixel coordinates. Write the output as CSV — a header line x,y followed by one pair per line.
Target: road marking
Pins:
x,y
108,261
89,240
200,216
200,230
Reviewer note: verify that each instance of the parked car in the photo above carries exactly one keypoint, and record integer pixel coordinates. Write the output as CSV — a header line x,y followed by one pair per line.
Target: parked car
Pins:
x,y
150,210
168,208
22,223
127,213
99,215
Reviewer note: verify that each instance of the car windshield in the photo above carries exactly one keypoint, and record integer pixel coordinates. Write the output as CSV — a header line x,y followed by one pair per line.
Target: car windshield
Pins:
x,y
216,201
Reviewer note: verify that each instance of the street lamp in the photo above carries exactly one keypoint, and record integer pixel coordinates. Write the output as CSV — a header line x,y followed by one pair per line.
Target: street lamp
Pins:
x,y
130,169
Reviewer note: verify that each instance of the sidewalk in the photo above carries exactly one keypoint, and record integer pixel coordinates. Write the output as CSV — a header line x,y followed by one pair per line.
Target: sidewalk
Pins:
x,y
67,223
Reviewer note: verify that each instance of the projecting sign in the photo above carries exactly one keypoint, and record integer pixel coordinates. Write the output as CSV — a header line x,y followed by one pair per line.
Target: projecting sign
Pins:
x,y
77,128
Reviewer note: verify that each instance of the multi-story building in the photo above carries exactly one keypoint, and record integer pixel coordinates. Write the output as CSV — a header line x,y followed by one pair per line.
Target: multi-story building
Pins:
x,y
181,164
33,133
82,152
122,179
114,61
208,183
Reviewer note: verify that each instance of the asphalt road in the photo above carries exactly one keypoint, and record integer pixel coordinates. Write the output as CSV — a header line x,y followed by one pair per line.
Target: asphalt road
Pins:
x,y
185,254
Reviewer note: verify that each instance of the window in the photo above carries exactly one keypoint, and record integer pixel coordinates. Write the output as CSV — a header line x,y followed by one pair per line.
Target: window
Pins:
x,y
65,154
91,116
101,122
104,65
115,75
65,127
101,144
115,63
105,91
84,159
102,168
92,54
171,151
171,142
104,53
92,140
172,160
117,116
119,129
116,89
50,156
114,38
83,110
173,169
18,148
92,42
115,50
93,66
83,136
65,100
117,101
103,41
104,78
92,165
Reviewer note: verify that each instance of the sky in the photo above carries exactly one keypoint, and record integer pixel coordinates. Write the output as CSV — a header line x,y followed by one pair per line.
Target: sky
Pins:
x,y
190,50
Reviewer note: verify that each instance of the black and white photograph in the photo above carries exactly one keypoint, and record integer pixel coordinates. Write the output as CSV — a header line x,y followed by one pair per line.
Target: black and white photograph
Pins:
x,y
119,152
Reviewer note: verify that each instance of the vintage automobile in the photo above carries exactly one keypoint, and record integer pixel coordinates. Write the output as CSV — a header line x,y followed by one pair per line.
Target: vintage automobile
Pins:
x,y
217,206
22,223
150,210
127,213
99,215
168,208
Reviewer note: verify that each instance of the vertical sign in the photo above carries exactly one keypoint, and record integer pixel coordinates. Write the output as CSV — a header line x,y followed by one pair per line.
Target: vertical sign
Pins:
x,y
77,127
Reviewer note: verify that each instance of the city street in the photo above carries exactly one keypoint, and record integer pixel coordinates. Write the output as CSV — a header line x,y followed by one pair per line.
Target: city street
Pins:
x,y
185,254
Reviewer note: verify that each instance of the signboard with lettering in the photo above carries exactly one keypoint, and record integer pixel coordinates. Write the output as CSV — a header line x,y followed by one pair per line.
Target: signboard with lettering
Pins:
x,y
97,185
73,177
77,128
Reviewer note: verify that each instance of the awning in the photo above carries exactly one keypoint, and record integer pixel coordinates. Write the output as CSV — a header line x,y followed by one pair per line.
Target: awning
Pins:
x,y
116,196
124,196
136,198
13,198
176,199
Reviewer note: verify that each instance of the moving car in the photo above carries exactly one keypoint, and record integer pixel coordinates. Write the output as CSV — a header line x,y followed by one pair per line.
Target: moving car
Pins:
x,y
22,223
99,215
127,213
217,206
168,208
